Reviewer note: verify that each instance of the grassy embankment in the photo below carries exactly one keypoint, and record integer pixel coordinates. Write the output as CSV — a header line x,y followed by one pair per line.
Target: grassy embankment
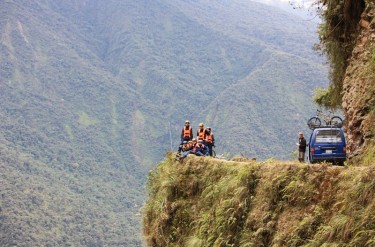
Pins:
x,y
210,202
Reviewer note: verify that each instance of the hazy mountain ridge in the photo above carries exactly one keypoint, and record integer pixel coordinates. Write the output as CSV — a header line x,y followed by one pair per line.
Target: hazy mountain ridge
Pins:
x,y
285,97
279,30
201,84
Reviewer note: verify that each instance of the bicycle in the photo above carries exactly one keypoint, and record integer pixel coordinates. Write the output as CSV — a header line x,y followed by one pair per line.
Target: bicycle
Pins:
x,y
213,152
329,120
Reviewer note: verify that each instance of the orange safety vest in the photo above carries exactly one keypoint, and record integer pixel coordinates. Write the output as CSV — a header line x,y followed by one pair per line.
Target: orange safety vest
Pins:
x,y
201,134
187,146
209,138
187,132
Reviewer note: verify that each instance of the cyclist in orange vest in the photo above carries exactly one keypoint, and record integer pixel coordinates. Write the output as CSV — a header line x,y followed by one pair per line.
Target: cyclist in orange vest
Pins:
x,y
201,133
186,134
209,140
188,149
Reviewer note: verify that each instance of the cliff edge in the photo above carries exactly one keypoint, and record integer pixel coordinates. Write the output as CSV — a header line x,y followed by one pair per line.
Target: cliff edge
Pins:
x,y
210,202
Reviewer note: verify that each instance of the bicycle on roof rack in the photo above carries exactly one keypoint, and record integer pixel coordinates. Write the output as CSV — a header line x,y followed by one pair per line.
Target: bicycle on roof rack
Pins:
x,y
329,120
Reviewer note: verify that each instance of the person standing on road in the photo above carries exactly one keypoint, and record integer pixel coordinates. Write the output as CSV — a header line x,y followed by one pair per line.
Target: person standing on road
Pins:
x,y
301,147
201,132
209,141
186,134
187,149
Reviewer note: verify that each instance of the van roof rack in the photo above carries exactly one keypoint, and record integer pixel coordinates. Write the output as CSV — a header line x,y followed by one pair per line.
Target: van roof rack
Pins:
x,y
314,126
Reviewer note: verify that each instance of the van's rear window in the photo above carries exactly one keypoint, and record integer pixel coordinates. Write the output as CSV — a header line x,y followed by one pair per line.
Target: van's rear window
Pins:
x,y
332,136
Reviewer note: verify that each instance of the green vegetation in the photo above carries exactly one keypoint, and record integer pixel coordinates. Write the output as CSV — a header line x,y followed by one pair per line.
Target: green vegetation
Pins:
x,y
346,38
44,206
208,202
337,34
371,64
369,157
90,90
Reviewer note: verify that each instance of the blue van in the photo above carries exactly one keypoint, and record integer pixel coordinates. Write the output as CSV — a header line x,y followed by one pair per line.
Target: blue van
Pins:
x,y
327,144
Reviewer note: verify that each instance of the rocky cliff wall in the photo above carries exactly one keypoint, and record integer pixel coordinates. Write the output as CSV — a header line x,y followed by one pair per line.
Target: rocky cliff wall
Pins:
x,y
359,90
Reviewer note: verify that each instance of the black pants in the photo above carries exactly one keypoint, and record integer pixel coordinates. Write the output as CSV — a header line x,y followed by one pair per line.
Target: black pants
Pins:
x,y
209,145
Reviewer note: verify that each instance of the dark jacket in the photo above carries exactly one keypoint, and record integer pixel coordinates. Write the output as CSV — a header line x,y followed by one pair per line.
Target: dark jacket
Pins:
x,y
206,136
302,144
201,148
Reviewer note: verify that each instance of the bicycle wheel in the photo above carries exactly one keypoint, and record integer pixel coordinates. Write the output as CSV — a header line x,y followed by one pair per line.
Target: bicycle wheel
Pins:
x,y
314,122
336,121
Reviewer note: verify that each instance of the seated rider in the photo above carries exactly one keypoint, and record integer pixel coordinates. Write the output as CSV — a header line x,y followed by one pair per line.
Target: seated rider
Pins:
x,y
188,148
200,149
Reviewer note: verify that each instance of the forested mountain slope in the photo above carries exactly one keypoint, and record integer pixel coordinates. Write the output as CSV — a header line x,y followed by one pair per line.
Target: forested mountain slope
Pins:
x,y
171,53
183,56
65,177
90,92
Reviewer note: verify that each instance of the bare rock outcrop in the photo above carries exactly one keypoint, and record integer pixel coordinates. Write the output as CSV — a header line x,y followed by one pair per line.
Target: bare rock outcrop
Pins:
x,y
359,89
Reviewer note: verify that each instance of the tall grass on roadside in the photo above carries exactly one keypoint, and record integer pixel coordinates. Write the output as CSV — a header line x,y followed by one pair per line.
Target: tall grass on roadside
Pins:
x,y
210,202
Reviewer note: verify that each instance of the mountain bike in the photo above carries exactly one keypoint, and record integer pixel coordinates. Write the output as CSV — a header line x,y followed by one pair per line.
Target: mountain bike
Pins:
x,y
329,120
213,152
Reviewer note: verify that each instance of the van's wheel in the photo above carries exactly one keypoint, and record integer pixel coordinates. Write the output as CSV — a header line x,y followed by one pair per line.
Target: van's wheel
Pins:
x,y
312,161
338,163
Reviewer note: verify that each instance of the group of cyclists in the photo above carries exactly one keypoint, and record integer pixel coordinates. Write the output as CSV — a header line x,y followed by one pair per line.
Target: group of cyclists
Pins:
x,y
200,146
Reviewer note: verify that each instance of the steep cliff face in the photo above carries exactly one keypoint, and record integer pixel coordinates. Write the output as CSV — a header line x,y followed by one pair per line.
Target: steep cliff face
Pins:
x,y
359,90
210,202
